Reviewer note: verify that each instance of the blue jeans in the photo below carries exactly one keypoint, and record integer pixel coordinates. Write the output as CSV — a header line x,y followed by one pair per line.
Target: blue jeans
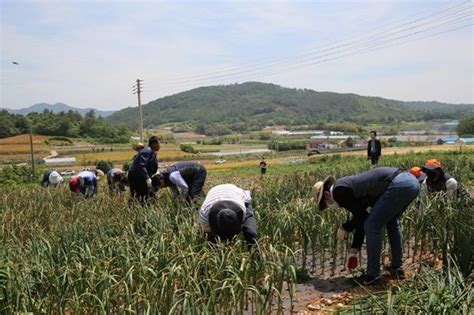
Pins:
x,y
386,212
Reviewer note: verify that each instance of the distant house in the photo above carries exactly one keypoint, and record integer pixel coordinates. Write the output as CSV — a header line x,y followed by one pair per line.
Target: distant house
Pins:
x,y
466,140
336,133
360,143
412,132
448,140
60,161
449,126
338,137
297,133
319,144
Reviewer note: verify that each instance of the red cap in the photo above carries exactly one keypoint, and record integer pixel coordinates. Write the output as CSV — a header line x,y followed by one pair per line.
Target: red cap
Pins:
x,y
74,184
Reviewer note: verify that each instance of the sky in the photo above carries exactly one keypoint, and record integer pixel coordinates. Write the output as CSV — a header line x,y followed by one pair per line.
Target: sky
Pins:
x,y
89,53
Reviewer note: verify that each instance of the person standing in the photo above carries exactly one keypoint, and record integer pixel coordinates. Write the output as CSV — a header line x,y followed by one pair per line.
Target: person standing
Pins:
x,y
84,183
185,179
227,212
374,148
144,166
388,191
51,178
263,167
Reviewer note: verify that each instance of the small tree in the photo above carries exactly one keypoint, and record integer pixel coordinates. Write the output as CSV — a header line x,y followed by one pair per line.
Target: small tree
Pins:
x,y
466,126
187,148
104,166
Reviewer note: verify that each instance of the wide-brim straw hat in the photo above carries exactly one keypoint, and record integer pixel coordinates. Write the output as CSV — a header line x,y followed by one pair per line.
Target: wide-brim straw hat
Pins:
x,y
318,190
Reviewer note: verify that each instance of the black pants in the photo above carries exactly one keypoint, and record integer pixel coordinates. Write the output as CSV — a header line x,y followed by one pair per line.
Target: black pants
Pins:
x,y
374,158
45,181
249,228
138,189
197,183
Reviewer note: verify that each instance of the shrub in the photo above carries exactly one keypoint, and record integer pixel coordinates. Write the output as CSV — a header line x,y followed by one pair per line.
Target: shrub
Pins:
x,y
187,148
286,146
104,166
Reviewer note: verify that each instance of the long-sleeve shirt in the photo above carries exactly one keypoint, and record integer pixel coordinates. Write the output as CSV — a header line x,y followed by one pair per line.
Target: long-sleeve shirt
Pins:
x,y
374,148
145,164
179,182
227,192
444,182
88,180
184,176
357,193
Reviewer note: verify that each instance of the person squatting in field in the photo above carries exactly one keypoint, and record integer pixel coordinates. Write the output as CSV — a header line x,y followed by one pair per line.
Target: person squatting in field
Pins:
x,y
144,166
116,180
51,178
227,212
185,179
437,180
388,191
84,183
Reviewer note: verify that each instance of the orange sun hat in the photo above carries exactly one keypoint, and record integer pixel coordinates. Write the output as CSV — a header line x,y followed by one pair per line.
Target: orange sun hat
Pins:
x,y
416,171
432,165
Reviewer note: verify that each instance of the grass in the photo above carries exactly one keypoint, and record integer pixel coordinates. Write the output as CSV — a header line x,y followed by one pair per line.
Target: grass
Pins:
x,y
61,254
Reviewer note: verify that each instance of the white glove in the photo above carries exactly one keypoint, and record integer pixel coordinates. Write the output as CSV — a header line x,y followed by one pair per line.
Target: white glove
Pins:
x,y
342,234
148,183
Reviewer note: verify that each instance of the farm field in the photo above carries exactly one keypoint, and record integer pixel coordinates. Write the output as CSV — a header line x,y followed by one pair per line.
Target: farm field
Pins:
x,y
19,145
60,254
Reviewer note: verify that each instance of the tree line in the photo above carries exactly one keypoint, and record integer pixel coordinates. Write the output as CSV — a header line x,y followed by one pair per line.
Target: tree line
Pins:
x,y
246,107
69,124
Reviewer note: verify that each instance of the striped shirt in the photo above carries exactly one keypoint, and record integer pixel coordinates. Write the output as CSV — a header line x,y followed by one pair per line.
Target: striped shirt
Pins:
x,y
228,192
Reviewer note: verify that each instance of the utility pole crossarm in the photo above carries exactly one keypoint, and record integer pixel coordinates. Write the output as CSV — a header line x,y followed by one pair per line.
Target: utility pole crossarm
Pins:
x,y
138,90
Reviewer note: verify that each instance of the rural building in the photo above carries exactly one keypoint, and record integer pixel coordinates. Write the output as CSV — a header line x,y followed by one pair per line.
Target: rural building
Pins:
x,y
60,161
414,138
447,140
338,137
466,140
297,133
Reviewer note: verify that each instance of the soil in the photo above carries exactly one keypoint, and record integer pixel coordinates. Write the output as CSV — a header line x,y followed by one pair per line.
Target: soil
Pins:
x,y
325,293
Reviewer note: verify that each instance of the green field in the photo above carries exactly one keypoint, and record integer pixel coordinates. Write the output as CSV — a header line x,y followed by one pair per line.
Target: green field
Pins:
x,y
60,254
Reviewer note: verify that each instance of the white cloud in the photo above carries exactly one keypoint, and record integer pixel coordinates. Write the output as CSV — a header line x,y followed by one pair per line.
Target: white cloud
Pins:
x,y
97,63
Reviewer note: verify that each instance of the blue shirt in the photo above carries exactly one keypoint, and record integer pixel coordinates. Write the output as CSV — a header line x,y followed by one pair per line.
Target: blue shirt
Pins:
x,y
145,164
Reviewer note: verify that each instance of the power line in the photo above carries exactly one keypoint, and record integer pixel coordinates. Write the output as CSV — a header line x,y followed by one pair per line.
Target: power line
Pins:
x,y
458,9
368,45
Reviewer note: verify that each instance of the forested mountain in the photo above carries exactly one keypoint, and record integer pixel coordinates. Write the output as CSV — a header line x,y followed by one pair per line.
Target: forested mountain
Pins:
x,y
56,108
253,105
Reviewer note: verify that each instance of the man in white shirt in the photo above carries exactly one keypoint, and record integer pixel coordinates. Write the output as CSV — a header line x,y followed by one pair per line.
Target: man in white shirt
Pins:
x,y
227,212
185,179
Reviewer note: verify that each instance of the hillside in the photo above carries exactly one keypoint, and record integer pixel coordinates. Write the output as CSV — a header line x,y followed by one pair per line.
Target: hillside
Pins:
x,y
55,108
252,105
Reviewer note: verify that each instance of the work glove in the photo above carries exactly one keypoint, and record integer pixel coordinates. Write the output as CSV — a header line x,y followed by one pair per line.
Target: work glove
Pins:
x,y
352,261
342,234
149,185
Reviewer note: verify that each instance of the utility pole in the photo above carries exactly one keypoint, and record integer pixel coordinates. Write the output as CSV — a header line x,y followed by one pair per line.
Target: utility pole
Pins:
x,y
137,89
31,150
